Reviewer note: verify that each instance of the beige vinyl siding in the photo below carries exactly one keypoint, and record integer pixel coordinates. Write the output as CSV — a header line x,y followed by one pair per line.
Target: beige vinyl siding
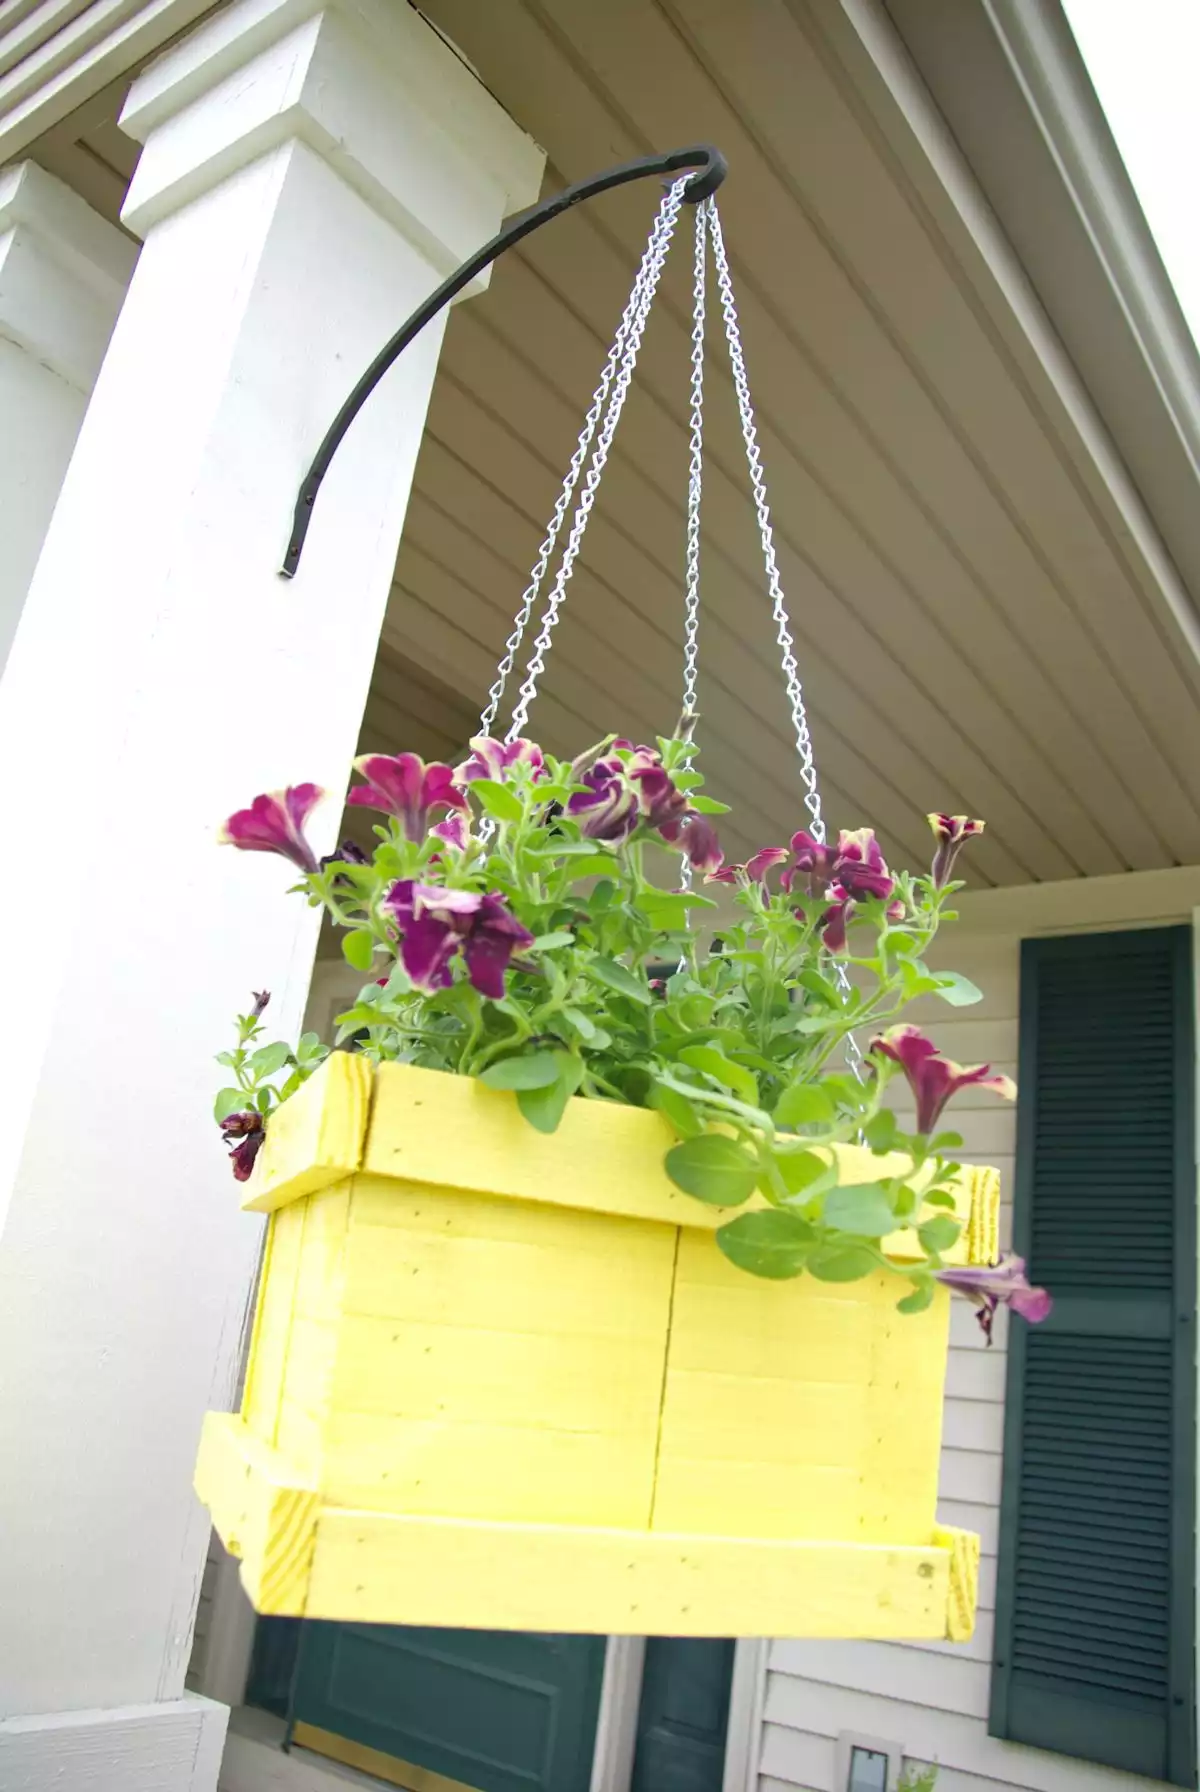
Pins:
x,y
932,1699
57,55
198,1661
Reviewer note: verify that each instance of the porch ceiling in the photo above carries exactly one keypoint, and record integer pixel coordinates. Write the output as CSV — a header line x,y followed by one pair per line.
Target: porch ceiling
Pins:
x,y
976,629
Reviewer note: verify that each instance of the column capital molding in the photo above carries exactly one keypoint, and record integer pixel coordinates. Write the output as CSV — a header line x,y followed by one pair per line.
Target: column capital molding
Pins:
x,y
64,271
368,85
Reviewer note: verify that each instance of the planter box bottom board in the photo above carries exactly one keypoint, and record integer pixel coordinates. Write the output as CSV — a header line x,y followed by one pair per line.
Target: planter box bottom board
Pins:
x,y
304,1558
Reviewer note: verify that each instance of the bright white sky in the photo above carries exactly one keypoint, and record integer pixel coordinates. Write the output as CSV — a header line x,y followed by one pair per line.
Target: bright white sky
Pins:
x,y
1144,60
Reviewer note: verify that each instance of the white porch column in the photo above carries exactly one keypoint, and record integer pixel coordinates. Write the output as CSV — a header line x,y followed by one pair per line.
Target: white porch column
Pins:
x,y
308,176
63,274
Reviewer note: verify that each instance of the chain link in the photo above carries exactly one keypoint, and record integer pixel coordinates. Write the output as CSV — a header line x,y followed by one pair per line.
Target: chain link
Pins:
x,y
783,629
530,595
640,302
691,583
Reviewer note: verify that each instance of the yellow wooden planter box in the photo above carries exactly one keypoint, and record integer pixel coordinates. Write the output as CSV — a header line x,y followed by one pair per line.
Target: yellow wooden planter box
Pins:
x,y
501,1380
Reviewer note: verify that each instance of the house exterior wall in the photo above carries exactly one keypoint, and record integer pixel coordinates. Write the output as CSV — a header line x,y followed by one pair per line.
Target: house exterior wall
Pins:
x,y
931,1699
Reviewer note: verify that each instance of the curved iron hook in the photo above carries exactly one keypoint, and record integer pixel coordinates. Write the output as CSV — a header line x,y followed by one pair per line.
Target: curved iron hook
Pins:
x,y
712,169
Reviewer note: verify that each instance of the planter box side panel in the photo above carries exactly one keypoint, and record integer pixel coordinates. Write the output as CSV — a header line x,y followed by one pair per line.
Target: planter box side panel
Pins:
x,y
288,1380
799,1409
497,1359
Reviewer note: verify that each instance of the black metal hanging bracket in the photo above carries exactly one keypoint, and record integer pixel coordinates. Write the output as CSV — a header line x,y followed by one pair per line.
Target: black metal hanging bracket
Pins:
x,y
711,169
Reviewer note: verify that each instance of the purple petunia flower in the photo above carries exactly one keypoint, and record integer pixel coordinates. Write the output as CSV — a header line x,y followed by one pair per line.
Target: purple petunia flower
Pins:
x,y
435,924
856,862
1004,1283
608,808
248,1132
274,822
951,833
404,786
932,1078
754,870
493,758
696,838
455,830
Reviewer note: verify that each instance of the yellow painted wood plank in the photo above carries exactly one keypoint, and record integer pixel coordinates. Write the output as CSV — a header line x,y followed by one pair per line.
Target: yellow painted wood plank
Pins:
x,y
437,1211
503,1472
603,1158
316,1137
262,1511
375,1568
762,1499
466,1372
267,1363
388,1768
322,1266
506,1284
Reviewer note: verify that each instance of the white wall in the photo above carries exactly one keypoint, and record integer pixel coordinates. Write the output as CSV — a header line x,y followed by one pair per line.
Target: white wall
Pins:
x,y
932,1698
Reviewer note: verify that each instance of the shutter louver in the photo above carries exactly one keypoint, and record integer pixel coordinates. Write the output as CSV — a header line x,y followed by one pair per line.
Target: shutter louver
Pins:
x,y
1095,1608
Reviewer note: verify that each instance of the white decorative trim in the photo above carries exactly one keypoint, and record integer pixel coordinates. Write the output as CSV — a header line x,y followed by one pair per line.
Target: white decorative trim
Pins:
x,y
747,1697
617,1721
844,1747
174,1746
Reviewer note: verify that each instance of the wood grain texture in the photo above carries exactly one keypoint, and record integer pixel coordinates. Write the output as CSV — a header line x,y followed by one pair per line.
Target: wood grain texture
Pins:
x,y
376,1568
485,1332
316,1137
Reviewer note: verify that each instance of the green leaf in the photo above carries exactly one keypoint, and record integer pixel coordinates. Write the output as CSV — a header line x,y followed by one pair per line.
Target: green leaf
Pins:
x,y
821,987
804,1173
595,866
549,942
583,1023
229,1101
920,1298
959,991
939,1234
707,805
713,1169
569,849
775,1244
358,948
861,1208
664,911
842,1262
615,976
270,1058
229,1059
678,1110
939,1197
947,1141
804,1104
544,1107
536,1070
880,1130
497,799
715,1064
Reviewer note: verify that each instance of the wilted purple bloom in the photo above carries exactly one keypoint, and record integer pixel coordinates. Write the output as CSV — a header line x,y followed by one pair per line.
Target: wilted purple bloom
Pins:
x,y
261,998
434,924
754,870
247,1129
1005,1282
696,838
404,786
951,833
932,1078
346,854
274,822
608,808
493,758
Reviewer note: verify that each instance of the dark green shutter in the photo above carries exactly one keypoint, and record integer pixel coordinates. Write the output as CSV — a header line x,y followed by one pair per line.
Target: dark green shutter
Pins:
x,y
1095,1606
683,1715
504,1711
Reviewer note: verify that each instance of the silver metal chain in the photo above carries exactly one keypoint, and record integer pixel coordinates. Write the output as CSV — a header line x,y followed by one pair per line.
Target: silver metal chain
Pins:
x,y
783,631
691,601
616,353
783,628
691,580
640,301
